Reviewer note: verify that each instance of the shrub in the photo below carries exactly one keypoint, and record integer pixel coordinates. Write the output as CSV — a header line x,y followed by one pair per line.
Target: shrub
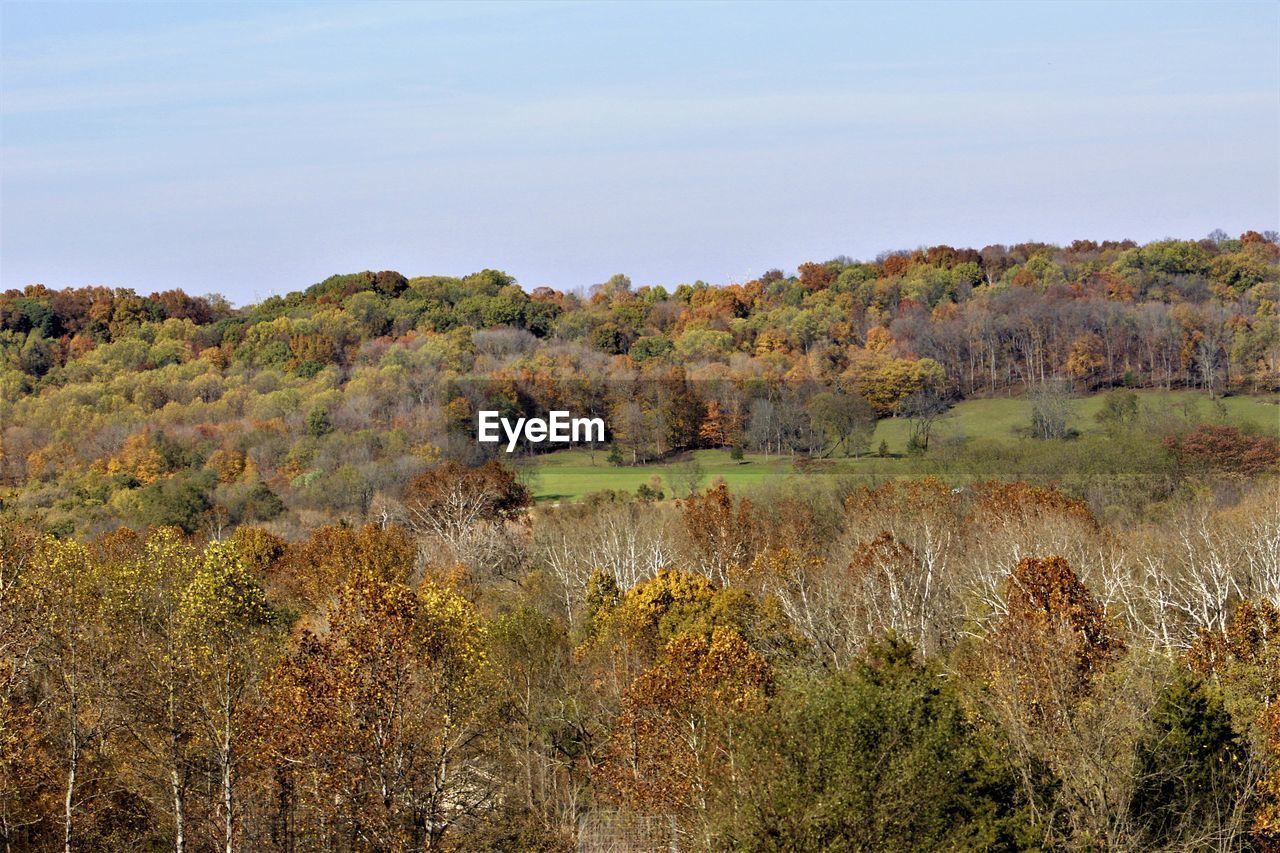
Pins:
x,y
1225,450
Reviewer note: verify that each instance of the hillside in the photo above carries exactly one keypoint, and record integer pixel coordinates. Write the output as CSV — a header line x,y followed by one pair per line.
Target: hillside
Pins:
x,y
117,408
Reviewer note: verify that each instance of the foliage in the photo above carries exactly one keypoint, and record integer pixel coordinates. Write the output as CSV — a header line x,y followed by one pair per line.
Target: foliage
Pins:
x,y
1224,449
260,588
1189,766
338,395
668,740
375,726
348,689
881,756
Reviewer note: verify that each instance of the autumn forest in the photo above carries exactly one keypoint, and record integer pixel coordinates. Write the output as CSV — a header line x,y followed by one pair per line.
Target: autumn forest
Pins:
x,y
261,589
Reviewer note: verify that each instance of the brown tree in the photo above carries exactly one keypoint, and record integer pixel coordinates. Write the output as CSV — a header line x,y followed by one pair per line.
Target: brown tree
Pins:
x,y
724,533
675,729
375,731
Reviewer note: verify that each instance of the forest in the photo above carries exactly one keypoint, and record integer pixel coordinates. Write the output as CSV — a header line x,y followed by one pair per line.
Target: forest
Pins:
x,y
261,589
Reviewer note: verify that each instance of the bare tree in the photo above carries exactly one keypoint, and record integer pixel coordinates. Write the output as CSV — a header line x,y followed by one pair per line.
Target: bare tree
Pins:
x,y
923,410
1051,411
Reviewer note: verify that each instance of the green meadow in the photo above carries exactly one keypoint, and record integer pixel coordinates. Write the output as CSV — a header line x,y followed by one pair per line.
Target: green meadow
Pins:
x,y
568,475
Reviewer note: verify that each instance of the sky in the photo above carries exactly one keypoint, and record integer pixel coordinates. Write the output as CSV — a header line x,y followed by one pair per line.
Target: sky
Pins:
x,y
255,148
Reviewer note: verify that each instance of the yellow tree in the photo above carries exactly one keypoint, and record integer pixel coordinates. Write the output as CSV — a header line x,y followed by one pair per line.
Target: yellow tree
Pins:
x,y
311,572
712,431
1087,356
230,633
885,383
28,788
61,588
154,692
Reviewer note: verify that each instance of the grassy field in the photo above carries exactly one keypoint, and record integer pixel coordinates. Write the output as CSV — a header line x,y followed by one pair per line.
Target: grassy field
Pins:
x,y
570,474
1004,417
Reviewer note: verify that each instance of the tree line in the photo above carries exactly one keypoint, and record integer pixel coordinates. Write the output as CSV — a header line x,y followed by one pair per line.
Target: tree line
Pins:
x,y
171,409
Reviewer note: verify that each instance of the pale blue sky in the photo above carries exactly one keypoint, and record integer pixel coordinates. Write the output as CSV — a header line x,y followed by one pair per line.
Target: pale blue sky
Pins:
x,y
252,148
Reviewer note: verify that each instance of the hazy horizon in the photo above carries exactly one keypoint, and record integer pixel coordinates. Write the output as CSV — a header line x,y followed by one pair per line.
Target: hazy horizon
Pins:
x,y
256,149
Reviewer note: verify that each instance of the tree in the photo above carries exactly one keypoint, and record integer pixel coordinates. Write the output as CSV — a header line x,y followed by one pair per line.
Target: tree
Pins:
x,y
1189,788
1087,356
1050,413
62,590
671,735
892,380
28,780
1119,410
900,594
155,693
455,504
261,504
639,429
376,730
923,409
1223,449
259,549
1067,727
37,356
685,477
547,741
615,454
846,421
878,757
178,501
1266,823
450,496
723,532
1047,603
712,432
311,572
318,423
230,635
1243,659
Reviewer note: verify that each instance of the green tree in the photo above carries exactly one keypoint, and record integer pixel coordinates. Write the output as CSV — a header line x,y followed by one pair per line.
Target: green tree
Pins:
x,y
318,423
261,504
878,758
1189,786
179,501
37,354
1119,410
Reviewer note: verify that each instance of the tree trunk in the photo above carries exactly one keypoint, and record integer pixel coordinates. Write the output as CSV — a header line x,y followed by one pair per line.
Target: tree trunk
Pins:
x,y
72,766
227,758
175,756
179,817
